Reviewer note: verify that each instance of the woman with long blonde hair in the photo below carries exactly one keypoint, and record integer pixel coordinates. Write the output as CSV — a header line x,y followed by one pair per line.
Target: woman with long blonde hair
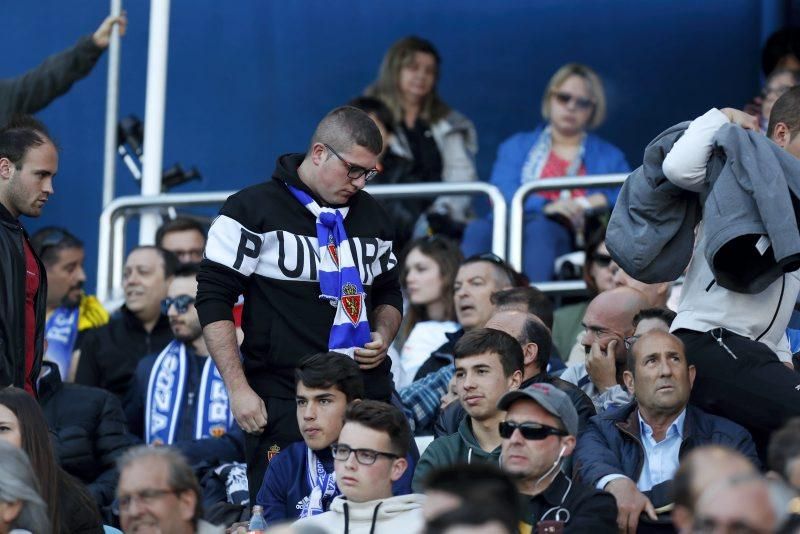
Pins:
x,y
440,141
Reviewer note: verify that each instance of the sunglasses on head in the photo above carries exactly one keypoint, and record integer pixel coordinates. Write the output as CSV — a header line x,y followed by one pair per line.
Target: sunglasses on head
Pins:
x,y
580,102
517,279
181,303
529,431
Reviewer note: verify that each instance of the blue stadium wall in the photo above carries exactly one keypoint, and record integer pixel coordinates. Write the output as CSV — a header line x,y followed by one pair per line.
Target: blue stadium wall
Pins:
x,y
248,79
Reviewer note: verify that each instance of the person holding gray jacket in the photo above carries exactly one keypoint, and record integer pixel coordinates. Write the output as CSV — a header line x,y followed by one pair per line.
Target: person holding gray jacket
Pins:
x,y
732,316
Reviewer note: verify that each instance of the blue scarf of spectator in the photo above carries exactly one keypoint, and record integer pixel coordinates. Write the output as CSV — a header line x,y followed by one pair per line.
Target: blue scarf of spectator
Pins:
x,y
339,278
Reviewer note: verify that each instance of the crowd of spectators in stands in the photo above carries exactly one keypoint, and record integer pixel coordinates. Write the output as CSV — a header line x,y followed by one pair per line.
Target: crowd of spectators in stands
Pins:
x,y
488,408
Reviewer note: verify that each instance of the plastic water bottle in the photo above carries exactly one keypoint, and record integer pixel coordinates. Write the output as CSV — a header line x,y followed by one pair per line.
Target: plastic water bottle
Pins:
x,y
257,524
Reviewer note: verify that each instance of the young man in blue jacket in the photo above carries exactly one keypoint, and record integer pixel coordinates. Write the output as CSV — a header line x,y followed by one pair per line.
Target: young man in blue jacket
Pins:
x,y
300,481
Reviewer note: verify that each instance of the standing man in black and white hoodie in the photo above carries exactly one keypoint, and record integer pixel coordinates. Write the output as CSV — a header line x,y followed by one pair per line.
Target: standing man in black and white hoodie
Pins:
x,y
736,341
312,255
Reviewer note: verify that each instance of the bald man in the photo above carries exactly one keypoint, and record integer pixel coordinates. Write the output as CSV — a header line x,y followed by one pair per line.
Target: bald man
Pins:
x,y
608,321
656,294
633,453
700,469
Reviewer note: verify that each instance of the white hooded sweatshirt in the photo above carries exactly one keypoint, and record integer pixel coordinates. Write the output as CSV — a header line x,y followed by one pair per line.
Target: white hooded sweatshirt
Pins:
x,y
396,515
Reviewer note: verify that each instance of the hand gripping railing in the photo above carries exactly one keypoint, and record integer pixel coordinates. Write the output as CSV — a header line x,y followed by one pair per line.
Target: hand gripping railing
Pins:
x,y
111,246
516,223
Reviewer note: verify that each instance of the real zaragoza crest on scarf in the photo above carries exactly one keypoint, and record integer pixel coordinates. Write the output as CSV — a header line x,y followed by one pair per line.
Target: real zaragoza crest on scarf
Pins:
x,y
352,301
332,250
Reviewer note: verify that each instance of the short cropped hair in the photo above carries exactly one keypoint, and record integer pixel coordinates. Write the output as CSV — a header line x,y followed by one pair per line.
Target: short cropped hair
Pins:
x,y
533,299
787,111
187,270
490,340
664,315
331,369
375,106
630,359
346,126
477,485
170,260
784,447
179,224
180,478
473,516
593,83
382,417
533,331
48,242
22,133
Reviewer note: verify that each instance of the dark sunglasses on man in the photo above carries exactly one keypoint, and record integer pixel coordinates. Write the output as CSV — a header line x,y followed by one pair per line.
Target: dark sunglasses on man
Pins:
x,y
529,431
181,303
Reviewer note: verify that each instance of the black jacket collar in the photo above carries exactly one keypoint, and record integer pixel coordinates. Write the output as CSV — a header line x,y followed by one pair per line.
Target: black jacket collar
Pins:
x,y
49,384
132,322
286,172
6,217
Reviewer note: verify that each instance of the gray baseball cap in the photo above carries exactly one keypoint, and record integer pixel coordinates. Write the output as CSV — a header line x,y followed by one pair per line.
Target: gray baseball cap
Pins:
x,y
548,397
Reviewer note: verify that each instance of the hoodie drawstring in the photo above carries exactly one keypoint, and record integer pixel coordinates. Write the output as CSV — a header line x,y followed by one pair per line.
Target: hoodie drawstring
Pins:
x,y
375,518
347,518
469,456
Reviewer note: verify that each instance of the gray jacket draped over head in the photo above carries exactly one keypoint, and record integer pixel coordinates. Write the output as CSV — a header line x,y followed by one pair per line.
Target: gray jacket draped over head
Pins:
x,y
753,186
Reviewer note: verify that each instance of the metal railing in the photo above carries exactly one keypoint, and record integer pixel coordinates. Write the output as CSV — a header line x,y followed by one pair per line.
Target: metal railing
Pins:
x,y
113,219
516,222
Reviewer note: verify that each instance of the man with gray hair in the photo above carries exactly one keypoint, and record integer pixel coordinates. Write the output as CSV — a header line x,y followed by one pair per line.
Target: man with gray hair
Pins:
x,y
312,254
158,491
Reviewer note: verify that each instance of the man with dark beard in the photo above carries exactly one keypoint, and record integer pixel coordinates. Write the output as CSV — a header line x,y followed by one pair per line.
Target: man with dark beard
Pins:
x,y
192,400
69,312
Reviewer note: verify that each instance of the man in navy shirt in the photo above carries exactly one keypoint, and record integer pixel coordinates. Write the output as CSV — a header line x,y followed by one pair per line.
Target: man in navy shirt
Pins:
x,y
300,481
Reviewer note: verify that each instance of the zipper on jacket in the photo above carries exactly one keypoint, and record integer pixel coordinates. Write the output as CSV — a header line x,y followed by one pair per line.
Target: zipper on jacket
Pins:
x,y
640,463
721,342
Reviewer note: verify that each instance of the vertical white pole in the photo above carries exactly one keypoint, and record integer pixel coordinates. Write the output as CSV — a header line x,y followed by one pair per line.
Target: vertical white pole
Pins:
x,y
112,108
157,52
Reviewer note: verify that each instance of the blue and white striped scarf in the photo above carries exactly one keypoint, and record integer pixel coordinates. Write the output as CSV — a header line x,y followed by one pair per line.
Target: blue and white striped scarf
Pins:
x,y
339,278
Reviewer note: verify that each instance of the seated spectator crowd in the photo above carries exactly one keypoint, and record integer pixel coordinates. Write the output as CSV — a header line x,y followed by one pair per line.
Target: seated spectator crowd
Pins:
x,y
666,401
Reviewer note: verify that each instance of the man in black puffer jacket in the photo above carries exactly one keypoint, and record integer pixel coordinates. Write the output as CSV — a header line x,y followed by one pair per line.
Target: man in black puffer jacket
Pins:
x,y
89,431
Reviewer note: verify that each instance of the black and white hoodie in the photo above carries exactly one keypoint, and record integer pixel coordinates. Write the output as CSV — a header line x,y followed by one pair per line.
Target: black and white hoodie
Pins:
x,y
263,245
